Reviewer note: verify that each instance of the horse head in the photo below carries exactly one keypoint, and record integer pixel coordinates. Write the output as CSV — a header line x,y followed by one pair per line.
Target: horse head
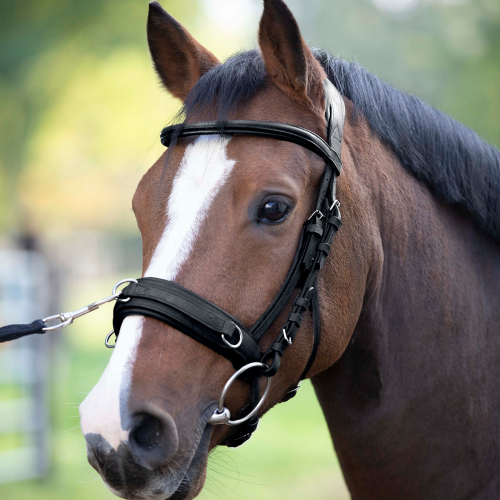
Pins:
x,y
221,216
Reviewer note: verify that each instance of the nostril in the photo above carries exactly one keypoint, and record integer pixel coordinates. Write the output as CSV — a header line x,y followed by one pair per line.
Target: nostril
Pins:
x,y
153,438
147,432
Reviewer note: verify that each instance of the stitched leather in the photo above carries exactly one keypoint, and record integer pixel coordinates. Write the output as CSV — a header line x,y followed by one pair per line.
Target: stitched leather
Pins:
x,y
271,130
189,313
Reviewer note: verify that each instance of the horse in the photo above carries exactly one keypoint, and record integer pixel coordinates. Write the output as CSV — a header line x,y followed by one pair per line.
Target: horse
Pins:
x,y
408,364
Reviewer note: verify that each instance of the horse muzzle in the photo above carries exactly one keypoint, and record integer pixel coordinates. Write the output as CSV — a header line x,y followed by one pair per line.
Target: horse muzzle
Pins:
x,y
150,465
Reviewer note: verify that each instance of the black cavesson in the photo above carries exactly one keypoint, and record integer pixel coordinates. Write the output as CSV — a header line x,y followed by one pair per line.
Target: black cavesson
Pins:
x,y
213,327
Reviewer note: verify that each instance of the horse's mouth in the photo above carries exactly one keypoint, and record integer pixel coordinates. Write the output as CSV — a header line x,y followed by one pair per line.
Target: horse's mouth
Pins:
x,y
126,478
194,478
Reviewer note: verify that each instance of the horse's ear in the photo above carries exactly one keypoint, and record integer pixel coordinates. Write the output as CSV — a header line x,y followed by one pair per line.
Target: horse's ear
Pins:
x,y
179,59
288,59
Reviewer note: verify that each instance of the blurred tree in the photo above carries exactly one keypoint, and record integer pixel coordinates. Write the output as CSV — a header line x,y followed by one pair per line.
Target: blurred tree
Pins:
x,y
80,104
446,52
31,29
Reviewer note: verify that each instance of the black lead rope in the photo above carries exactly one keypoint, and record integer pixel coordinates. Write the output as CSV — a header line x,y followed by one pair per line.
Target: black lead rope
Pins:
x,y
14,332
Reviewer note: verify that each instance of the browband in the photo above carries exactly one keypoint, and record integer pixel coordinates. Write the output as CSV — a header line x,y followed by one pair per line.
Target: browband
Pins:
x,y
270,130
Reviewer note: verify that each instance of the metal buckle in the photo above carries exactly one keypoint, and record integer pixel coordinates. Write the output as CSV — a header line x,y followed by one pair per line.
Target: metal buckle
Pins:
x,y
287,338
234,346
335,204
318,213
222,415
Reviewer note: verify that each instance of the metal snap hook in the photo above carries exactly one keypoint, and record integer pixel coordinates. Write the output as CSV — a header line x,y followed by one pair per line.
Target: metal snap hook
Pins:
x,y
65,319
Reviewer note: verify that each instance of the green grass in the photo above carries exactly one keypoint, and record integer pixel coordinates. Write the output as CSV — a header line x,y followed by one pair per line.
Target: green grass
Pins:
x,y
289,457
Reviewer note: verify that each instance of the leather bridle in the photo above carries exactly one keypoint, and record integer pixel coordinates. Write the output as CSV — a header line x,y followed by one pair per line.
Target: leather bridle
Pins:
x,y
210,325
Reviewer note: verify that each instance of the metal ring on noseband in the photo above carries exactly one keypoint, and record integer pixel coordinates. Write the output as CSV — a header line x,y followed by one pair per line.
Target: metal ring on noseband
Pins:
x,y
128,280
234,346
222,415
106,341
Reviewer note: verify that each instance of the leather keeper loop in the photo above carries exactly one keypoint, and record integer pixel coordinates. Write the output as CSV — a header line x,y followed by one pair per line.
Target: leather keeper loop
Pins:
x,y
315,228
304,303
335,221
295,318
278,347
323,247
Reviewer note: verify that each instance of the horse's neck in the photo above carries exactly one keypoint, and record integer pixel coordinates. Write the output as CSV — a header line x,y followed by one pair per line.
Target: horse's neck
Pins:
x,y
415,394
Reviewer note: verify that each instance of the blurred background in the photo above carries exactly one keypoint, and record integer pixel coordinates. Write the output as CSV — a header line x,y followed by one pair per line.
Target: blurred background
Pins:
x,y
80,114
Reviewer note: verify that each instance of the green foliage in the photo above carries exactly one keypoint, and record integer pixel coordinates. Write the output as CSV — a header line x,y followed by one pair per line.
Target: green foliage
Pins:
x,y
43,44
445,52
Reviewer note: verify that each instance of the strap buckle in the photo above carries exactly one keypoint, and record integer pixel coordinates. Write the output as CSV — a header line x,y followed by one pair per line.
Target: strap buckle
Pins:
x,y
319,213
335,205
286,337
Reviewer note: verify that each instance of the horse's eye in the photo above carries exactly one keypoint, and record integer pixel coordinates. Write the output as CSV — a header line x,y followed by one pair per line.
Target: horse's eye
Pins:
x,y
273,211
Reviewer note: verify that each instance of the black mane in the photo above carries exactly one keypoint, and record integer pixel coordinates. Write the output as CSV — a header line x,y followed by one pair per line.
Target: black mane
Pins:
x,y
457,165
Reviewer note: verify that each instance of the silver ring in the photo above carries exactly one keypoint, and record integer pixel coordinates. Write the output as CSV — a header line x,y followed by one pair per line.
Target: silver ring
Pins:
x,y
222,415
234,346
115,288
106,342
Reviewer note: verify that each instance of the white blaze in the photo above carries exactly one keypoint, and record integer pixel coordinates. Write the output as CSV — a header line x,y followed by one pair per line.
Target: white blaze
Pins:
x,y
204,169
100,411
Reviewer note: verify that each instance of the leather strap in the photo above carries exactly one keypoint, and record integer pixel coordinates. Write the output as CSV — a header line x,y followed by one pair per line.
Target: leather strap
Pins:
x,y
189,313
316,334
269,130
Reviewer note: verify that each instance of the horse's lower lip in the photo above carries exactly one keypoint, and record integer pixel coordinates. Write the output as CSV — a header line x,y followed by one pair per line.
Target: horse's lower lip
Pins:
x,y
179,495
194,468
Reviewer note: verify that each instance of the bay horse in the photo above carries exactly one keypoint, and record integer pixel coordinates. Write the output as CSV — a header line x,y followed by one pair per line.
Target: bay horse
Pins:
x,y
407,371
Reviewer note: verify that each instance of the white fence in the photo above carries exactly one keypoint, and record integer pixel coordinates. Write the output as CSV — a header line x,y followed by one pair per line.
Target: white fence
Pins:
x,y
25,293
